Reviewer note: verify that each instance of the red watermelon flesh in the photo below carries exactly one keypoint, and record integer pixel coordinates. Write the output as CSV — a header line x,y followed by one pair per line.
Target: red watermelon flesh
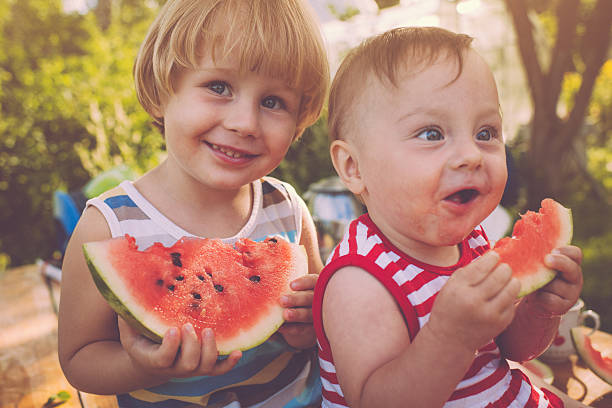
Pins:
x,y
233,289
594,359
534,236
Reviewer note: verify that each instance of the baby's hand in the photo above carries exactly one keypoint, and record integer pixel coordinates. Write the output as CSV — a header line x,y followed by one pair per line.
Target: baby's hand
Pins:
x,y
476,304
559,295
298,330
179,355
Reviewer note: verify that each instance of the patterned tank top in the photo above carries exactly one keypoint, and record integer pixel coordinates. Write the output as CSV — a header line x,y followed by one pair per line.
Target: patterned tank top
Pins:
x,y
489,382
270,375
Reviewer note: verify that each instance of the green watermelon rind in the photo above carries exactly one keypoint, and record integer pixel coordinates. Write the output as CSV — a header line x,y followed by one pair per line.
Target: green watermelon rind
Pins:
x,y
540,369
151,327
578,338
544,275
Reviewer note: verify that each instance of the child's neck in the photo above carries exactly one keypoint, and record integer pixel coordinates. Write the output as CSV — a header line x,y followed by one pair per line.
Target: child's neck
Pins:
x,y
202,212
441,256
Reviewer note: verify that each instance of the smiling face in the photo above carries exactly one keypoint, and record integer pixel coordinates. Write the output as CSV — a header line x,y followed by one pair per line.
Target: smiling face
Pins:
x,y
225,127
427,156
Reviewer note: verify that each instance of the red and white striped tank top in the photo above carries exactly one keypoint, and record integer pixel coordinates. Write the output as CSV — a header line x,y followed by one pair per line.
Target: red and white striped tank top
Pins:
x,y
489,382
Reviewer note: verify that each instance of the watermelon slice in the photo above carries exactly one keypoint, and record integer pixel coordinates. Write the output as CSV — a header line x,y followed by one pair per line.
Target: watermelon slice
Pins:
x,y
594,359
540,369
233,289
534,236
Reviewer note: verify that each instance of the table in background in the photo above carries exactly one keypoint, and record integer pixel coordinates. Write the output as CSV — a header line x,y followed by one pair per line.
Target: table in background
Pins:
x,y
30,372
29,366
579,382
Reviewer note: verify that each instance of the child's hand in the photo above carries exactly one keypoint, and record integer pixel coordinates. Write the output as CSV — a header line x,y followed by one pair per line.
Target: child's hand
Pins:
x,y
179,355
559,295
476,304
298,330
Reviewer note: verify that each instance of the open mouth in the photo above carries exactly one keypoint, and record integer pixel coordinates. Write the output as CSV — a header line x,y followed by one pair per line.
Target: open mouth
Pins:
x,y
463,196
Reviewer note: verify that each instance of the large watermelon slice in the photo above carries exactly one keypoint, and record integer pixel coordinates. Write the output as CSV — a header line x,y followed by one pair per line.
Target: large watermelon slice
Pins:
x,y
233,289
594,359
534,236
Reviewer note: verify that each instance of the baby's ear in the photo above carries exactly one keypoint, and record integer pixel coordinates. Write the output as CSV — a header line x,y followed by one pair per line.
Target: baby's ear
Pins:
x,y
346,165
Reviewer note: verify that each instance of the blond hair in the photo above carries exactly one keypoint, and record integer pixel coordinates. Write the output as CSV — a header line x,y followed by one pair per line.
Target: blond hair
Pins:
x,y
383,57
278,38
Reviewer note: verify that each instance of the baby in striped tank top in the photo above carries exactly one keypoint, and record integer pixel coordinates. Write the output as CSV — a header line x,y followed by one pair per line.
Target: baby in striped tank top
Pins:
x,y
230,84
411,310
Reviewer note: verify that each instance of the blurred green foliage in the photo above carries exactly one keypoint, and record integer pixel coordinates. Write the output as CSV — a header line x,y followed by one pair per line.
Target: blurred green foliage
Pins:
x,y
68,111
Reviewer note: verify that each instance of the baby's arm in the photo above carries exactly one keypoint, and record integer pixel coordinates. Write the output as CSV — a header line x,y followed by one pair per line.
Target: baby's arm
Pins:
x,y
538,315
378,366
90,351
298,330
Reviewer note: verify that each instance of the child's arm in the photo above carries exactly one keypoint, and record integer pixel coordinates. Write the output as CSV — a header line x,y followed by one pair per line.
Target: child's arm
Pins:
x,y
538,315
90,351
298,330
378,366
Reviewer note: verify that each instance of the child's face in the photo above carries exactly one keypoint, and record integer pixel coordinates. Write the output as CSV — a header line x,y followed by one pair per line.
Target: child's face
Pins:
x,y
225,128
430,153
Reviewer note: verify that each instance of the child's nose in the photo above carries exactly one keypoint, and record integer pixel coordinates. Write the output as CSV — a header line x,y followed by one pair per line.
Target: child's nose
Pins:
x,y
466,154
243,118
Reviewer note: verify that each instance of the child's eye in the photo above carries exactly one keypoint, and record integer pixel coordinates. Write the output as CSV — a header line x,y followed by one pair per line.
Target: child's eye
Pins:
x,y
272,102
218,87
430,135
486,134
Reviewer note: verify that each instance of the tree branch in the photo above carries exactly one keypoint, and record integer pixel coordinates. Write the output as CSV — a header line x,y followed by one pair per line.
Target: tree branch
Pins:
x,y
524,37
597,36
561,58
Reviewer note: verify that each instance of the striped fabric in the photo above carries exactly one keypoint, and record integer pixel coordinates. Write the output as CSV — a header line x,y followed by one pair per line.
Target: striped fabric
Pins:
x,y
489,382
270,375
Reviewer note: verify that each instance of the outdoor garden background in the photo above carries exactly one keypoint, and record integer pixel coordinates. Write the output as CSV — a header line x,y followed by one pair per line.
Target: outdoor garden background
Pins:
x,y
68,110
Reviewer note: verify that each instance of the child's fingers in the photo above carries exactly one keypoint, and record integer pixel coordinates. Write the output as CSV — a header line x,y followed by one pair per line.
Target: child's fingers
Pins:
x,y
474,273
224,366
165,354
567,266
298,315
495,281
571,251
209,365
306,282
208,356
297,299
189,356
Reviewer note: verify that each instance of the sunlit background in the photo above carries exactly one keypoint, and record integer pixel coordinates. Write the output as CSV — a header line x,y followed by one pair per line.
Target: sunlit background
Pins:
x,y
345,23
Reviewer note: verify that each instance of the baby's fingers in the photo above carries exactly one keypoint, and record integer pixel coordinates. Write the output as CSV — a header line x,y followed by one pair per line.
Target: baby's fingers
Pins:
x,y
566,261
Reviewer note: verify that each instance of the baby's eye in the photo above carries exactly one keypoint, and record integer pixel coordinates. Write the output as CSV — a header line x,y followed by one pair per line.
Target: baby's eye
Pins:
x,y
486,134
431,135
218,87
272,102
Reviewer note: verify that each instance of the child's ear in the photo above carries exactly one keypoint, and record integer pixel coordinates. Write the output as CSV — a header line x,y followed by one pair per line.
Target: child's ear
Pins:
x,y
346,165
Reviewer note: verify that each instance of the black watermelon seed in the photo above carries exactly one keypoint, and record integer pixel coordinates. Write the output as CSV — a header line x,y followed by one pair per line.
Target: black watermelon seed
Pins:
x,y
209,274
176,259
197,296
273,240
200,277
179,278
255,278
171,288
160,282
218,288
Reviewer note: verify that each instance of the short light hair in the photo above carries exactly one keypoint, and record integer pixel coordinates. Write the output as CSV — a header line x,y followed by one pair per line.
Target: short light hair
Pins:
x,y
278,38
384,57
